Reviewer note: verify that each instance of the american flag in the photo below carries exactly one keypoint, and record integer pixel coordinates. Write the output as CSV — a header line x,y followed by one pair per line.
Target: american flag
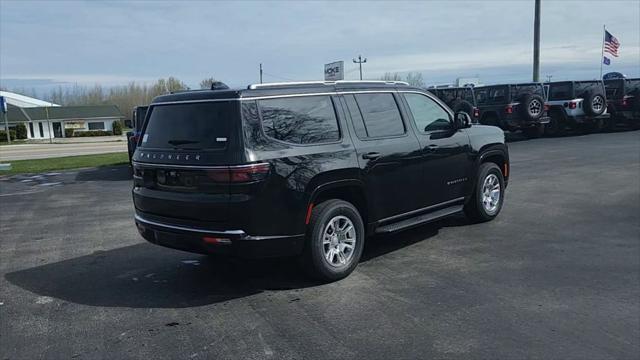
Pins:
x,y
611,44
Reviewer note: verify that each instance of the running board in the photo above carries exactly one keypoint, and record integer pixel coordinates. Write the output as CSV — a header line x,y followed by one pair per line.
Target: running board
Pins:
x,y
418,220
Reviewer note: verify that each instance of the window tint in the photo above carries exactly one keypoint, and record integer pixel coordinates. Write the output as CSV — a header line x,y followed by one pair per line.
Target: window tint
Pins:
x,y
560,91
300,120
381,115
498,95
96,126
356,116
190,126
427,114
482,96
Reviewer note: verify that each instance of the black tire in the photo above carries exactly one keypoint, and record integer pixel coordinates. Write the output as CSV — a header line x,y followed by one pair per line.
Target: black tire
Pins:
x,y
594,104
557,125
474,208
313,258
463,105
531,107
533,132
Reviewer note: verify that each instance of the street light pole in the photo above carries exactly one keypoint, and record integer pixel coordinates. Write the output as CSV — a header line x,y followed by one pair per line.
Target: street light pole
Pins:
x,y
536,42
360,61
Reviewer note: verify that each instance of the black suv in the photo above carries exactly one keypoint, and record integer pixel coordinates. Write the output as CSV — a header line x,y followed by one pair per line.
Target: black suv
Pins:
x,y
309,169
576,104
623,98
458,99
513,107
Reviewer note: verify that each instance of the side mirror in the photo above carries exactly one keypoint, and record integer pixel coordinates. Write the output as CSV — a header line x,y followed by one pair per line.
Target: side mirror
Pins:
x,y
462,120
128,123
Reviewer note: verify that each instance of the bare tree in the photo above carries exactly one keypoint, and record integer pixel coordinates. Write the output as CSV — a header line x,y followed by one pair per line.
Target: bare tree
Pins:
x,y
415,79
206,83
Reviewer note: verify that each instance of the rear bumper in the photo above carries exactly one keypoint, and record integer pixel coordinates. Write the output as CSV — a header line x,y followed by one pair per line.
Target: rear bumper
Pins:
x,y
234,242
515,123
586,119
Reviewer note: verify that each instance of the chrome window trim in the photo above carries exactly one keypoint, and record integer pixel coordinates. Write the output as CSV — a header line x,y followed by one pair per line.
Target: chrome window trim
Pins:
x,y
252,98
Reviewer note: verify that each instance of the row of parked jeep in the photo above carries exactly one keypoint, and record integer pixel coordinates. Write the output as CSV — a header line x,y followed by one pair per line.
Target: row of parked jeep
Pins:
x,y
551,108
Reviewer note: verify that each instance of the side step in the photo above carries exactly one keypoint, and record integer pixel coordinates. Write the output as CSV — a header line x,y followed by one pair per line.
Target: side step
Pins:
x,y
418,220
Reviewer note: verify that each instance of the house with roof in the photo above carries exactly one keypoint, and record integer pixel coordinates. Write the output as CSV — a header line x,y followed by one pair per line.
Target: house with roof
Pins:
x,y
45,119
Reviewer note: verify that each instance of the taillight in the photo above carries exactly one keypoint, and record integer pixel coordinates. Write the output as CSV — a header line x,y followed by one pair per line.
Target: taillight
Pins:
x,y
546,107
624,102
239,174
476,112
572,104
134,139
509,109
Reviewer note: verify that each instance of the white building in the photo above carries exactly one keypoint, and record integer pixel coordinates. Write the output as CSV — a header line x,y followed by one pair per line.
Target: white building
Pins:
x,y
44,119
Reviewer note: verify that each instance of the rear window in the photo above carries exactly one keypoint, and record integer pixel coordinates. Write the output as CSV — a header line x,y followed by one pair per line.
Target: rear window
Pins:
x,y
192,126
560,91
380,114
520,90
300,120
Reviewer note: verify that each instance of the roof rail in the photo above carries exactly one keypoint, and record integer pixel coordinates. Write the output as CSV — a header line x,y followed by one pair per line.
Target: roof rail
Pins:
x,y
328,83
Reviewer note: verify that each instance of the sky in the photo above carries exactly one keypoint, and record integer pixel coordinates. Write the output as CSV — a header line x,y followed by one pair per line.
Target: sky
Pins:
x,y
51,43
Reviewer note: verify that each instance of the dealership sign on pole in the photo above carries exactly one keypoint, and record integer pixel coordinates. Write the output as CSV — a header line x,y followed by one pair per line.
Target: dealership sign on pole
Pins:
x,y
334,71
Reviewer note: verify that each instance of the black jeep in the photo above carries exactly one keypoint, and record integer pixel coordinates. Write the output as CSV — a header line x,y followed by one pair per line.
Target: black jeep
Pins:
x,y
576,105
513,107
458,99
309,169
623,100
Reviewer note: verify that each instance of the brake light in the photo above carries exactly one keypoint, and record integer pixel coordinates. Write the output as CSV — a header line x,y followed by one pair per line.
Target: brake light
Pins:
x,y
240,174
572,104
509,109
476,112
216,240
624,102
546,107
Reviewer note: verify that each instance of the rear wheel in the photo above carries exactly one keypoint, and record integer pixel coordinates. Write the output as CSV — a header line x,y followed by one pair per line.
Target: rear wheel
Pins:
x,y
486,202
335,239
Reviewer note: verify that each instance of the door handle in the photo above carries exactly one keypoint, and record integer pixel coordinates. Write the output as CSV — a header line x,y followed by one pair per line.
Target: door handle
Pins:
x,y
431,148
371,155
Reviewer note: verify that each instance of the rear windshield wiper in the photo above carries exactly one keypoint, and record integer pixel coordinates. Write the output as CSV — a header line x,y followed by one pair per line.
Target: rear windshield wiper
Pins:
x,y
176,144
182,142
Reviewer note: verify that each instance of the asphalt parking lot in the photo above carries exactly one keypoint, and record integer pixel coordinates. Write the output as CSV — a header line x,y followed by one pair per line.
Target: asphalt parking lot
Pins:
x,y
556,276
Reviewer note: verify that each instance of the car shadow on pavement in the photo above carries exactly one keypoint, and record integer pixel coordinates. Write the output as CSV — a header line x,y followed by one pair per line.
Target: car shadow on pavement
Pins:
x,y
105,173
149,276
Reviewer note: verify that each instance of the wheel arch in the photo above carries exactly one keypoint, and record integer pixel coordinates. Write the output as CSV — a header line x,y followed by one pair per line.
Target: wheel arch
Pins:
x,y
497,155
350,190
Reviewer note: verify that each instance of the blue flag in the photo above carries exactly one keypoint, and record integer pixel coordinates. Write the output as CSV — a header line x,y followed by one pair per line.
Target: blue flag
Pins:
x,y
606,61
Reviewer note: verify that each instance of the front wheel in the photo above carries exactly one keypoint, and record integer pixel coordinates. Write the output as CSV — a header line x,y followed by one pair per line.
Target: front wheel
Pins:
x,y
335,239
486,202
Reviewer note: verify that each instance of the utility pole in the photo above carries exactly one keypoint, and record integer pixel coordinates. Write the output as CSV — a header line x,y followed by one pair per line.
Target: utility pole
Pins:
x,y
536,42
260,73
46,109
360,61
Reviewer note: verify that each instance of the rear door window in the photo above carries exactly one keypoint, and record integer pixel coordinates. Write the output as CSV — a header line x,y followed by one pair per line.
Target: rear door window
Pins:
x,y
193,126
300,120
380,114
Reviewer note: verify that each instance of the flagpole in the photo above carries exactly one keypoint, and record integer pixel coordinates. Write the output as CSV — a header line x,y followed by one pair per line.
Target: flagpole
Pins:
x,y
604,32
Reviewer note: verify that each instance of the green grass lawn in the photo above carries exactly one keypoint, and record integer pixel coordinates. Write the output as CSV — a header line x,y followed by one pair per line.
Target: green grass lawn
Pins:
x,y
66,162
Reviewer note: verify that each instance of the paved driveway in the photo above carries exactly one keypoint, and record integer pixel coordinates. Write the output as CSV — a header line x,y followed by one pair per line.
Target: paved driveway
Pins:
x,y
556,276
